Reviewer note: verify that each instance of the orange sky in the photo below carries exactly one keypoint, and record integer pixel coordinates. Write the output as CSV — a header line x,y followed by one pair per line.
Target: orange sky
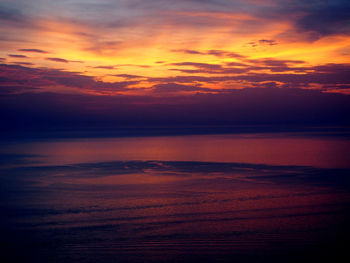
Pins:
x,y
217,45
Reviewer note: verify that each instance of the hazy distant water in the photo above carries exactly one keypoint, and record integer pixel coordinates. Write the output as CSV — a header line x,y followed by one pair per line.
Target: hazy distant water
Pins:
x,y
249,198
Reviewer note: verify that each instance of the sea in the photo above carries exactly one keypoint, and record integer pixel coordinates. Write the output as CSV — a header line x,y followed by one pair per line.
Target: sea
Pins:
x,y
246,197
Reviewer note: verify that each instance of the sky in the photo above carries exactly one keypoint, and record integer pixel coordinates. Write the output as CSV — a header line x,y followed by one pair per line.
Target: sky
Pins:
x,y
136,62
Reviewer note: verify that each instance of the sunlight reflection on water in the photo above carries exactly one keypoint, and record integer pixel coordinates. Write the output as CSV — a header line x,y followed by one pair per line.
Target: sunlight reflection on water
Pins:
x,y
205,198
276,149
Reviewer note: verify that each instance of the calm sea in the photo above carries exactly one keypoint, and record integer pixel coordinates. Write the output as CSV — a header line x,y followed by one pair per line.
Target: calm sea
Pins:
x,y
206,198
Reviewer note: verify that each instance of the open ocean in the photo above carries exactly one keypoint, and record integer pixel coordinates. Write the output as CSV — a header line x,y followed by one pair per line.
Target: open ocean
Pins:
x,y
272,197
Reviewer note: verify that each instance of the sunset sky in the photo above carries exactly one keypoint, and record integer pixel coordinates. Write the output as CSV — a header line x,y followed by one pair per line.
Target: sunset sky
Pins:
x,y
119,59
174,131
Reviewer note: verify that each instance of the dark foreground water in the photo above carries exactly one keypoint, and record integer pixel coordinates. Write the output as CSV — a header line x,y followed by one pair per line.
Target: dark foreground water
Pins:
x,y
224,198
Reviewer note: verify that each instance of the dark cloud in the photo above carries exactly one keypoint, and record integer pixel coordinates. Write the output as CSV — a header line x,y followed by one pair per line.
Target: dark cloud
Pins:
x,y
133,65
221,53
251,44
23,63
188,51
325,74
11,14
277,65
269,42
199,65
181,79
311,19
326,18
10,159
236,64
6,90
329,77
252,106
208,68
65,60
262,42
21,76
211,71
176,88
105,67
58,60
274,65
17,56
33,50
217,53
333,68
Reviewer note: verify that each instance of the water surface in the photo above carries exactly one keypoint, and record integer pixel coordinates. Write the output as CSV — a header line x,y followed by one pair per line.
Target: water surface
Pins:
x,y
249,198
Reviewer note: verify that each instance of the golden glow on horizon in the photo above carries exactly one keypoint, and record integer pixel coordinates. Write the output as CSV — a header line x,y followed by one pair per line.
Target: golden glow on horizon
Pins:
x,y
153,48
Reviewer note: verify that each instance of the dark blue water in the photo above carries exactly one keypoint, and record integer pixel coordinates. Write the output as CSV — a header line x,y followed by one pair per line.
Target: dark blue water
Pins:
x,y
222,198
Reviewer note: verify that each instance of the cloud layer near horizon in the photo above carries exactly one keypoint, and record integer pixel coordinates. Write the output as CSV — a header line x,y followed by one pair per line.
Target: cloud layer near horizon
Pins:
x,y
42,112
161,61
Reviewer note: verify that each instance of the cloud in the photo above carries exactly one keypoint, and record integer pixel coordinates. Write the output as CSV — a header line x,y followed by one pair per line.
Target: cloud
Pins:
x,y
128,76
325,74
269,42
64,60
178,88
199,65
33,50
309,19
262,42
247,73
46,79
6,159
230,68
13,89
17,56
257,72
58,60
198,31
277,62
11,14
212,71
41,112
277,65
221,53
188,51
23,63
217,53
326,18
105,67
